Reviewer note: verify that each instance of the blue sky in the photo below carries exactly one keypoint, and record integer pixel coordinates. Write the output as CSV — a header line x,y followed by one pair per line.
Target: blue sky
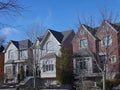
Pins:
x,y
58,15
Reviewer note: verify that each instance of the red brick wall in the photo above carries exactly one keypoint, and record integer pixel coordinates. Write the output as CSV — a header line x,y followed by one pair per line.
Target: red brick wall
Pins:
x,y
88,36
112,49
1,65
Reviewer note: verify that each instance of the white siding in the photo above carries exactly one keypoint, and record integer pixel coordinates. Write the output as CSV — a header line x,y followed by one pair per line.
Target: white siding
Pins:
x,y
15,50
56,45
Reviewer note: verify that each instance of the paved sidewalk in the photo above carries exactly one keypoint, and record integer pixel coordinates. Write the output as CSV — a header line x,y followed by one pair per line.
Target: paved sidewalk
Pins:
x,y
9,89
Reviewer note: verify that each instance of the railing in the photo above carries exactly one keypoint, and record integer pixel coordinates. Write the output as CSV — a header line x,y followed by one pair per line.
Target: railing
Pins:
x,y
25,80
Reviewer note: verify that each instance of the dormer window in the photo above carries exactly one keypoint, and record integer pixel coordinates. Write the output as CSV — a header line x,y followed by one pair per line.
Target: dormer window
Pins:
x,y
106,28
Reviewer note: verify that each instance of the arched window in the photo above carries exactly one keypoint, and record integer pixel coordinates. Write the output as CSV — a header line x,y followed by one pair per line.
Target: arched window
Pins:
x,y
50,47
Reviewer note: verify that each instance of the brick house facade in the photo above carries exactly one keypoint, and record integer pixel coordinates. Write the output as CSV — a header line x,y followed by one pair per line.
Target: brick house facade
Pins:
x,y
84,49
99,44
109,44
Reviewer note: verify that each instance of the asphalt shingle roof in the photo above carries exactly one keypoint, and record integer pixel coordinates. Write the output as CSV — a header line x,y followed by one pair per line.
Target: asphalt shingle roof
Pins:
x,y
1,49
58,35
61,36
49,55
91,30
23,44
116,26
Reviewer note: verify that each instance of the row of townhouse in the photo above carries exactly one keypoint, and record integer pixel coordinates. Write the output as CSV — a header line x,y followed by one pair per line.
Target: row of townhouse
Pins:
x,y
22,58
91,46
95,49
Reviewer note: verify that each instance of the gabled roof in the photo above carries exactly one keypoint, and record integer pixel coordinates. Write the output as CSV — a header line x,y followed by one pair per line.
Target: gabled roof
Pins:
x,y
116,26
15,43
23,44
38,39
90,29
61,36
58,35
66,34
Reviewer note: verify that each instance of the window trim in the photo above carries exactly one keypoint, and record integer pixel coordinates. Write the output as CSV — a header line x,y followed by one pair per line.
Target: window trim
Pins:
x,y
79,60
113,61
10,54
48,65
50,44
82,42
8,69
105,38
23,56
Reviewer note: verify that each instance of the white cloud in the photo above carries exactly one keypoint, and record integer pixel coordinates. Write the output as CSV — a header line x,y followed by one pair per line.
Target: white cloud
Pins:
x,y
8,31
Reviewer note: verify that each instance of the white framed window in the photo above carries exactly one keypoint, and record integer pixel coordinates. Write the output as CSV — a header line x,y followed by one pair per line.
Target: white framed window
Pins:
x,y
113,59
83,43
10,54
82,64
8,69
48,66
23,54
107,40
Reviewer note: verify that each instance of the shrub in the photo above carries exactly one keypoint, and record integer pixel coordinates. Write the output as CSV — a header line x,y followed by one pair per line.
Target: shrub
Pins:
x,y
109,84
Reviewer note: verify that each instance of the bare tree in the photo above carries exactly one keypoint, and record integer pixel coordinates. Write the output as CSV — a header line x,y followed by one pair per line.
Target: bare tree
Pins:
x,y
35,30
35,33
9,8
108,15
91,20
